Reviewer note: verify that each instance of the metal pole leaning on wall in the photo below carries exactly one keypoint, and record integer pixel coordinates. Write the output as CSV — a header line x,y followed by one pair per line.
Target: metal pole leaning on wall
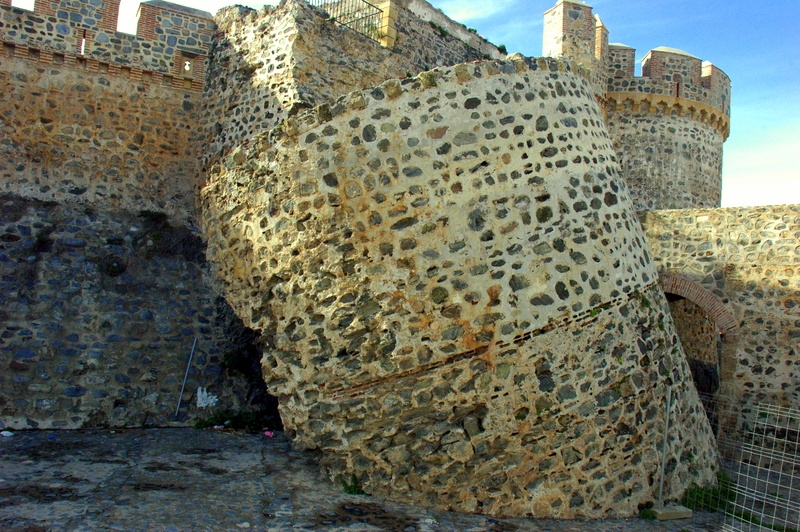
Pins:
x,y
673,511
186,376
664,449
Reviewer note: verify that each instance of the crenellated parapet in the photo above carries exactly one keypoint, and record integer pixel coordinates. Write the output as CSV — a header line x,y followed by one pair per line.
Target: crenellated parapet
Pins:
x,y
671,73
667,125
169,48
572,30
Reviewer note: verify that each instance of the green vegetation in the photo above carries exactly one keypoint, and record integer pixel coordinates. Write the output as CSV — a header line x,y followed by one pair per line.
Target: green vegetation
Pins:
x,y
354,487
647,512
442,32
712,498
718,498
502,49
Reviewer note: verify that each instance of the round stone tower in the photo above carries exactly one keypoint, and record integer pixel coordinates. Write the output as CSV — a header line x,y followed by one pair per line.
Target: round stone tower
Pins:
x,y
456,299
667,125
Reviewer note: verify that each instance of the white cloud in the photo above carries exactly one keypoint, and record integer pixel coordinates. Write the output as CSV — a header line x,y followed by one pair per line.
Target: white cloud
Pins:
x,y
763,169
464,10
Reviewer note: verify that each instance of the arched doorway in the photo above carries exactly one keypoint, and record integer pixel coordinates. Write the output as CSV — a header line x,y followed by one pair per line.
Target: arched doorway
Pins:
x,y
707,330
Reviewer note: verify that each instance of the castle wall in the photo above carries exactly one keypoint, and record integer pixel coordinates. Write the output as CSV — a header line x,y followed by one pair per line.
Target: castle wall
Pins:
x,y
100,305
749,257
75,29
70,134
458,304
114,126
669,160
98,312
675,74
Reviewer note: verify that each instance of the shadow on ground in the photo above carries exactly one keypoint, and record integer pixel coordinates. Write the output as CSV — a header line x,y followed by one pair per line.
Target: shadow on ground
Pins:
x,y
186,479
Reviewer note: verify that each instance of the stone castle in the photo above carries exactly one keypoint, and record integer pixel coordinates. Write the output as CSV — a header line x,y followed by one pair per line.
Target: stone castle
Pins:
x,y
466,271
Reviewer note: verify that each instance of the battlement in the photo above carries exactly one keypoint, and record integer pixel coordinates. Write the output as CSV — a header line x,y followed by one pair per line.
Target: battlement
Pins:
x,y
170,45
572,30
670,72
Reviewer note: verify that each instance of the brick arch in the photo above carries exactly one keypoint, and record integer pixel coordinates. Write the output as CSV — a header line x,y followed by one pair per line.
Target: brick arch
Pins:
x,y
715,308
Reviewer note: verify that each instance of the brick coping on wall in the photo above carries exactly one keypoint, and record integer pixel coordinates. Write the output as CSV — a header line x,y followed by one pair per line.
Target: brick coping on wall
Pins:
x,y
135,74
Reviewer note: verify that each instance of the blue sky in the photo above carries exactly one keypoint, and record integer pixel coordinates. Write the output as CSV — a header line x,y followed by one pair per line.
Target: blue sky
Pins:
x,y
756,43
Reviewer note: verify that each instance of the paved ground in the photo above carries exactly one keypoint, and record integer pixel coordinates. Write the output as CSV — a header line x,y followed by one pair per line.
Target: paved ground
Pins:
x,y
184,479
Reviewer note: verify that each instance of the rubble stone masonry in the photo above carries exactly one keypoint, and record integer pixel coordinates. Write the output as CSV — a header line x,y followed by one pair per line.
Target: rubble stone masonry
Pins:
x,y
460,306
438,250
266,65
98,312
749,258
95,116
71,135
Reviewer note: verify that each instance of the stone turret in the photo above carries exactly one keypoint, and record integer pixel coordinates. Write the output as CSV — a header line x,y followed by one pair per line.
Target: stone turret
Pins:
x,y
458,301
668,124
569,31
668,127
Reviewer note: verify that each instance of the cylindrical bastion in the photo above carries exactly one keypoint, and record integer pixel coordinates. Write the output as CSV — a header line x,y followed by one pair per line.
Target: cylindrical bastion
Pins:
x,y
457,302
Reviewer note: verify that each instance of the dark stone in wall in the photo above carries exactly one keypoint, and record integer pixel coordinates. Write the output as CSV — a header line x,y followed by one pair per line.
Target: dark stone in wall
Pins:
x,y
100,309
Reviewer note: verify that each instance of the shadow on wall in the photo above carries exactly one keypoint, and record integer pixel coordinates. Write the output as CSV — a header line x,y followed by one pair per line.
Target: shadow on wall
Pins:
x,y
98,312
243,358
702,345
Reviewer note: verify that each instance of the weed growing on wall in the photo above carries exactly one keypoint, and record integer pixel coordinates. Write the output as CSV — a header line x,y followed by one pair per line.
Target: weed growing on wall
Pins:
x,y
353,487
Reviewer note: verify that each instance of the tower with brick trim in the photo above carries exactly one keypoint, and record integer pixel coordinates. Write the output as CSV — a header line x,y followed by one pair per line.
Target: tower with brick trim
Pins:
x,y
668,125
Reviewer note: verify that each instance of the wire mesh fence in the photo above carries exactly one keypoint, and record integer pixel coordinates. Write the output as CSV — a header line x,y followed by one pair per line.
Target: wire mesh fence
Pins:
x,y
357,15
758,486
